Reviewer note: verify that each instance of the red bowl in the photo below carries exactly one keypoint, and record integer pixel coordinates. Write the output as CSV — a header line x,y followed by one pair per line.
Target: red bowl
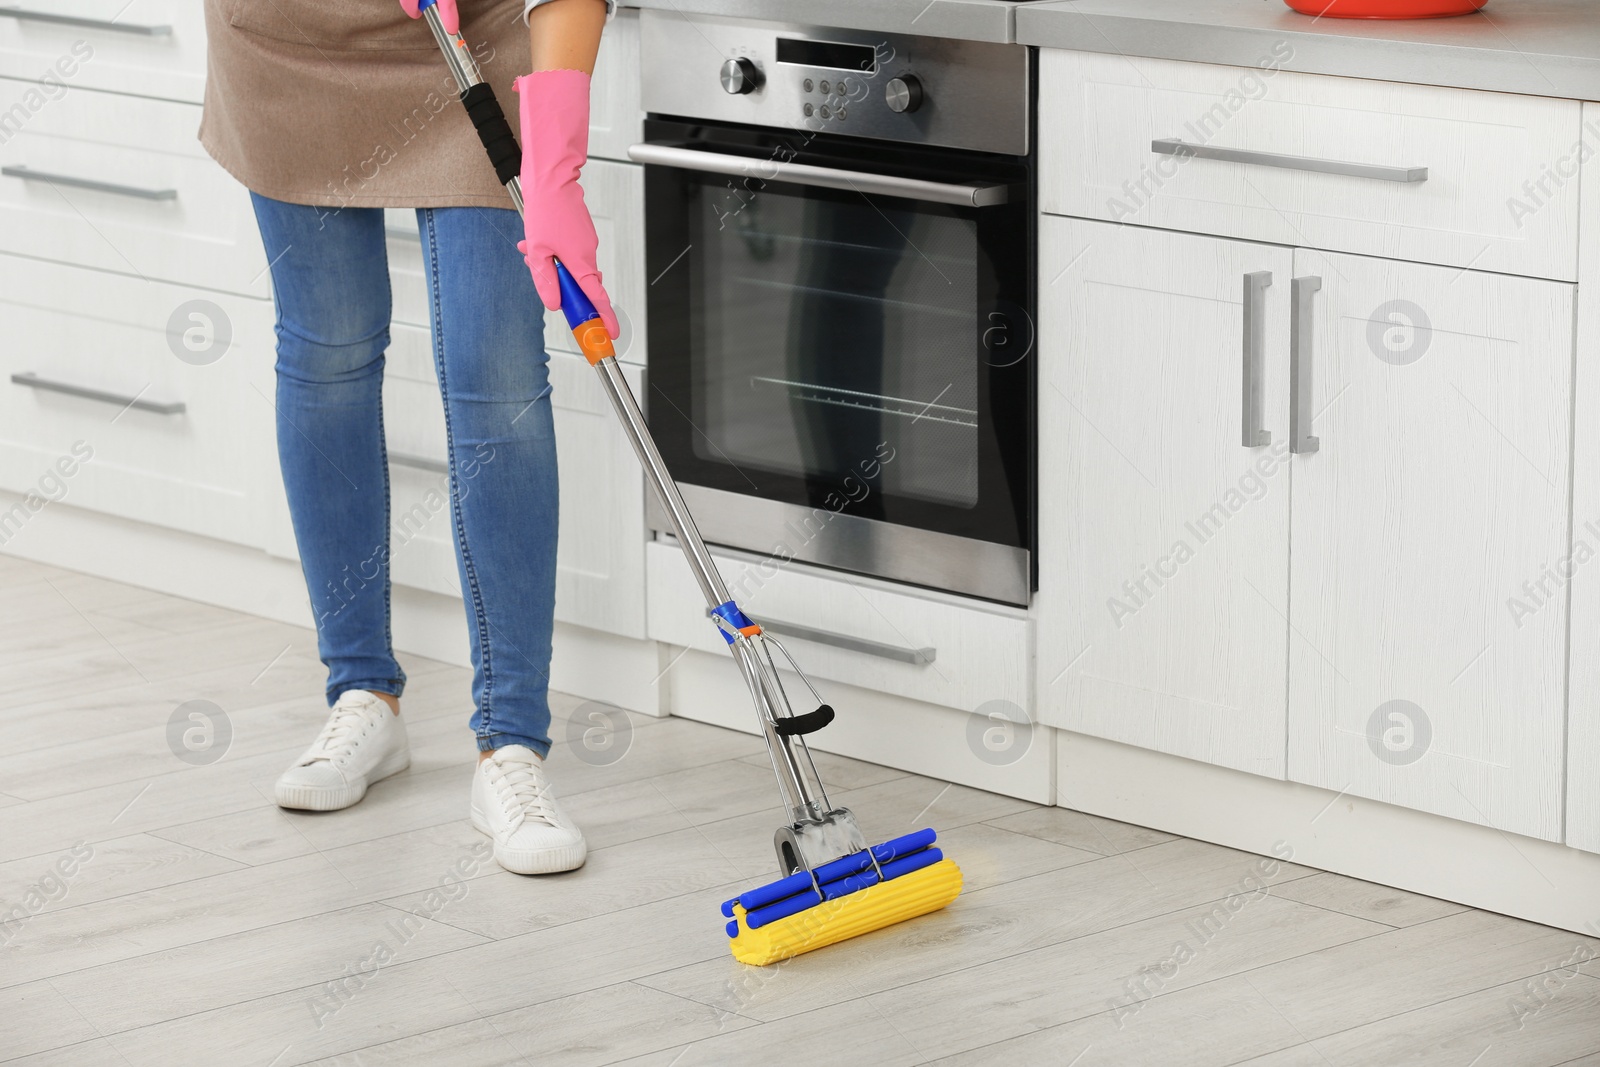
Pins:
x,y
1385,9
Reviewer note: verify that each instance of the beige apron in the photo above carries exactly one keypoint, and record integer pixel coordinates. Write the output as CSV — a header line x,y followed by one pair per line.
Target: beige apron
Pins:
x,y
348,103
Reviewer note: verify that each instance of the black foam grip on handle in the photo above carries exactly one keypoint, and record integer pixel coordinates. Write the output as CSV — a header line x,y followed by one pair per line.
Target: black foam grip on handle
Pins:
x,y
809,723
494,131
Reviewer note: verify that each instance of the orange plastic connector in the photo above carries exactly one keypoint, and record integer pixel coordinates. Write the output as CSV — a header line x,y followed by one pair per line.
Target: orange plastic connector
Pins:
x,y
593,341
751,630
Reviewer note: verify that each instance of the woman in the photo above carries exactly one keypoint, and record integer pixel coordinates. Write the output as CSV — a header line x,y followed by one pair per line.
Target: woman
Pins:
x,y
329,111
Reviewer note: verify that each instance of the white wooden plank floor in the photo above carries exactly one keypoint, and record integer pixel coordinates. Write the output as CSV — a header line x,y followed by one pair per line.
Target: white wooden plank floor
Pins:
x,y
209,927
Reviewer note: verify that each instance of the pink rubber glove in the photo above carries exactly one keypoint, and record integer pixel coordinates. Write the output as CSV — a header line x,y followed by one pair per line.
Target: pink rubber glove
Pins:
x,y
554,107
447,13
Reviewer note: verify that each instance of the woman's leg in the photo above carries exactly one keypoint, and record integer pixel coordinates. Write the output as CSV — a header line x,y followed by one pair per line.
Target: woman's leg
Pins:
x,y
488,331
330,282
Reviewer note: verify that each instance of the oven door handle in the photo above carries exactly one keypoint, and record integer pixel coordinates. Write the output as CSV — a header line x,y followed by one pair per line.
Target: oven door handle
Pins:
x,y
977,194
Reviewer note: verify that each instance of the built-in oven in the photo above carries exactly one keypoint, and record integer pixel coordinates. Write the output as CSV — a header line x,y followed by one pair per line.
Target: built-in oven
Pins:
x,y
840,305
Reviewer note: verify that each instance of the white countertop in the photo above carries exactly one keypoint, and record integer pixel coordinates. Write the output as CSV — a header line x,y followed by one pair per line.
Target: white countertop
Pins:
x,y
969,20
1537,47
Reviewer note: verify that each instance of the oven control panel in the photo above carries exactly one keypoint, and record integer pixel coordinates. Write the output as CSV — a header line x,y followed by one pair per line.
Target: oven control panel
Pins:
x,y
924,90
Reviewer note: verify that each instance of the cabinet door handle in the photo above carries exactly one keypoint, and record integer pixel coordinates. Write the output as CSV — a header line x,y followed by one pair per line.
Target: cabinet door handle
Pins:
x,y
916,656
1301,335
1255,325
421,463
122,400
28,174
1169,146
138,29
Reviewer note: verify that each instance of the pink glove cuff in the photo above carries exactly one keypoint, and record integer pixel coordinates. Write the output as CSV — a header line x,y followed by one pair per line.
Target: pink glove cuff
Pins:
x,y
553,106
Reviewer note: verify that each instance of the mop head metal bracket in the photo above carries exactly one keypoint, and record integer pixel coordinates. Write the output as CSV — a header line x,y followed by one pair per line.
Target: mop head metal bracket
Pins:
x,y
812,843
853,895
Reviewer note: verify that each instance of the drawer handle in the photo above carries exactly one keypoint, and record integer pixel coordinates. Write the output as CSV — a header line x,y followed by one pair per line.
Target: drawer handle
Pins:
x,y
28,174
135,28
1168,146
421,463
917,656
1255,321
1301,292
122,400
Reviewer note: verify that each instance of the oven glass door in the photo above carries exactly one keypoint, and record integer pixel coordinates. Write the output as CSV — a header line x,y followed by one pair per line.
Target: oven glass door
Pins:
x,y
838,349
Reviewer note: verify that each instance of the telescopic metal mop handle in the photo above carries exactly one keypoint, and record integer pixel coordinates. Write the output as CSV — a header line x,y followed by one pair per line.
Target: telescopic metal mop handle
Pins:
x,y
819,833
501,143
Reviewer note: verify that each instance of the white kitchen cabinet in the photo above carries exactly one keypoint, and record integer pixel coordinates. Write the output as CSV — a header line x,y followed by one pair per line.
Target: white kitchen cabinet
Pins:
x,y
120,183
600,570
170,390
615,195
1163,537
615,118
1581,566
1421,670
1414,172
920,645
153,48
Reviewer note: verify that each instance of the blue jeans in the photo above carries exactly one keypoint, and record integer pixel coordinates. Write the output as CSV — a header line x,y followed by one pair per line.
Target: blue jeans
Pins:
x,y
330,282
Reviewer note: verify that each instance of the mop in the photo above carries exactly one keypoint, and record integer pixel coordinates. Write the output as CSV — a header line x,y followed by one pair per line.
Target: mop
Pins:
x,y
834,886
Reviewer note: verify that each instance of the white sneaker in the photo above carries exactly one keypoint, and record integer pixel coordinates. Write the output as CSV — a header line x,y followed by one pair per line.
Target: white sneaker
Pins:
x,y
513,804
363,742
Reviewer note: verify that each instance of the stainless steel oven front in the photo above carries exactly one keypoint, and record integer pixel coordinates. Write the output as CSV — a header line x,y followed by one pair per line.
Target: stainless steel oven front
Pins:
x,y
839,246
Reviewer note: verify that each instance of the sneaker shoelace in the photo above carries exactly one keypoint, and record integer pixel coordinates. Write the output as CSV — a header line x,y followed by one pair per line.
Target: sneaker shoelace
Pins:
x,y
339,734
522,790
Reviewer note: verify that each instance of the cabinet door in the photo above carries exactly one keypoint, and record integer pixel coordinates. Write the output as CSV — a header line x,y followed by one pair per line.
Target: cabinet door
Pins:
x,y
1163,538
1583,679
120,183
1427,644
600,576
616,121
151,48
131,397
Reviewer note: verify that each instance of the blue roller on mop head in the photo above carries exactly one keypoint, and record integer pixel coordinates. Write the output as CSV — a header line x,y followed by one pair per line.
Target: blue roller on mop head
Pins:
x,y
810,883
857,893
834,885
849,874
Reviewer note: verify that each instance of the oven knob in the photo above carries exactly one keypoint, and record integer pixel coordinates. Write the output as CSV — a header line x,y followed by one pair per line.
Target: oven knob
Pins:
x,y
903,94
740,76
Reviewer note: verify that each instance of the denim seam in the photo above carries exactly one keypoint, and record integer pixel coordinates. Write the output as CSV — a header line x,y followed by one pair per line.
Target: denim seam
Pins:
x,y
399,680
479,612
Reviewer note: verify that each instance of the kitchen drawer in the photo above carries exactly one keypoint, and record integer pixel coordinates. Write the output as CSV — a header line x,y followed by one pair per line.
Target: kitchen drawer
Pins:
x,y
196,469
149,47
979,652
1500,192
171,215
615,195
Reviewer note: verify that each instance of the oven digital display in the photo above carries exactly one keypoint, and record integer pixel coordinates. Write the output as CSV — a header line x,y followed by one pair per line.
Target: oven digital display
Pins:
x,y
831,54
